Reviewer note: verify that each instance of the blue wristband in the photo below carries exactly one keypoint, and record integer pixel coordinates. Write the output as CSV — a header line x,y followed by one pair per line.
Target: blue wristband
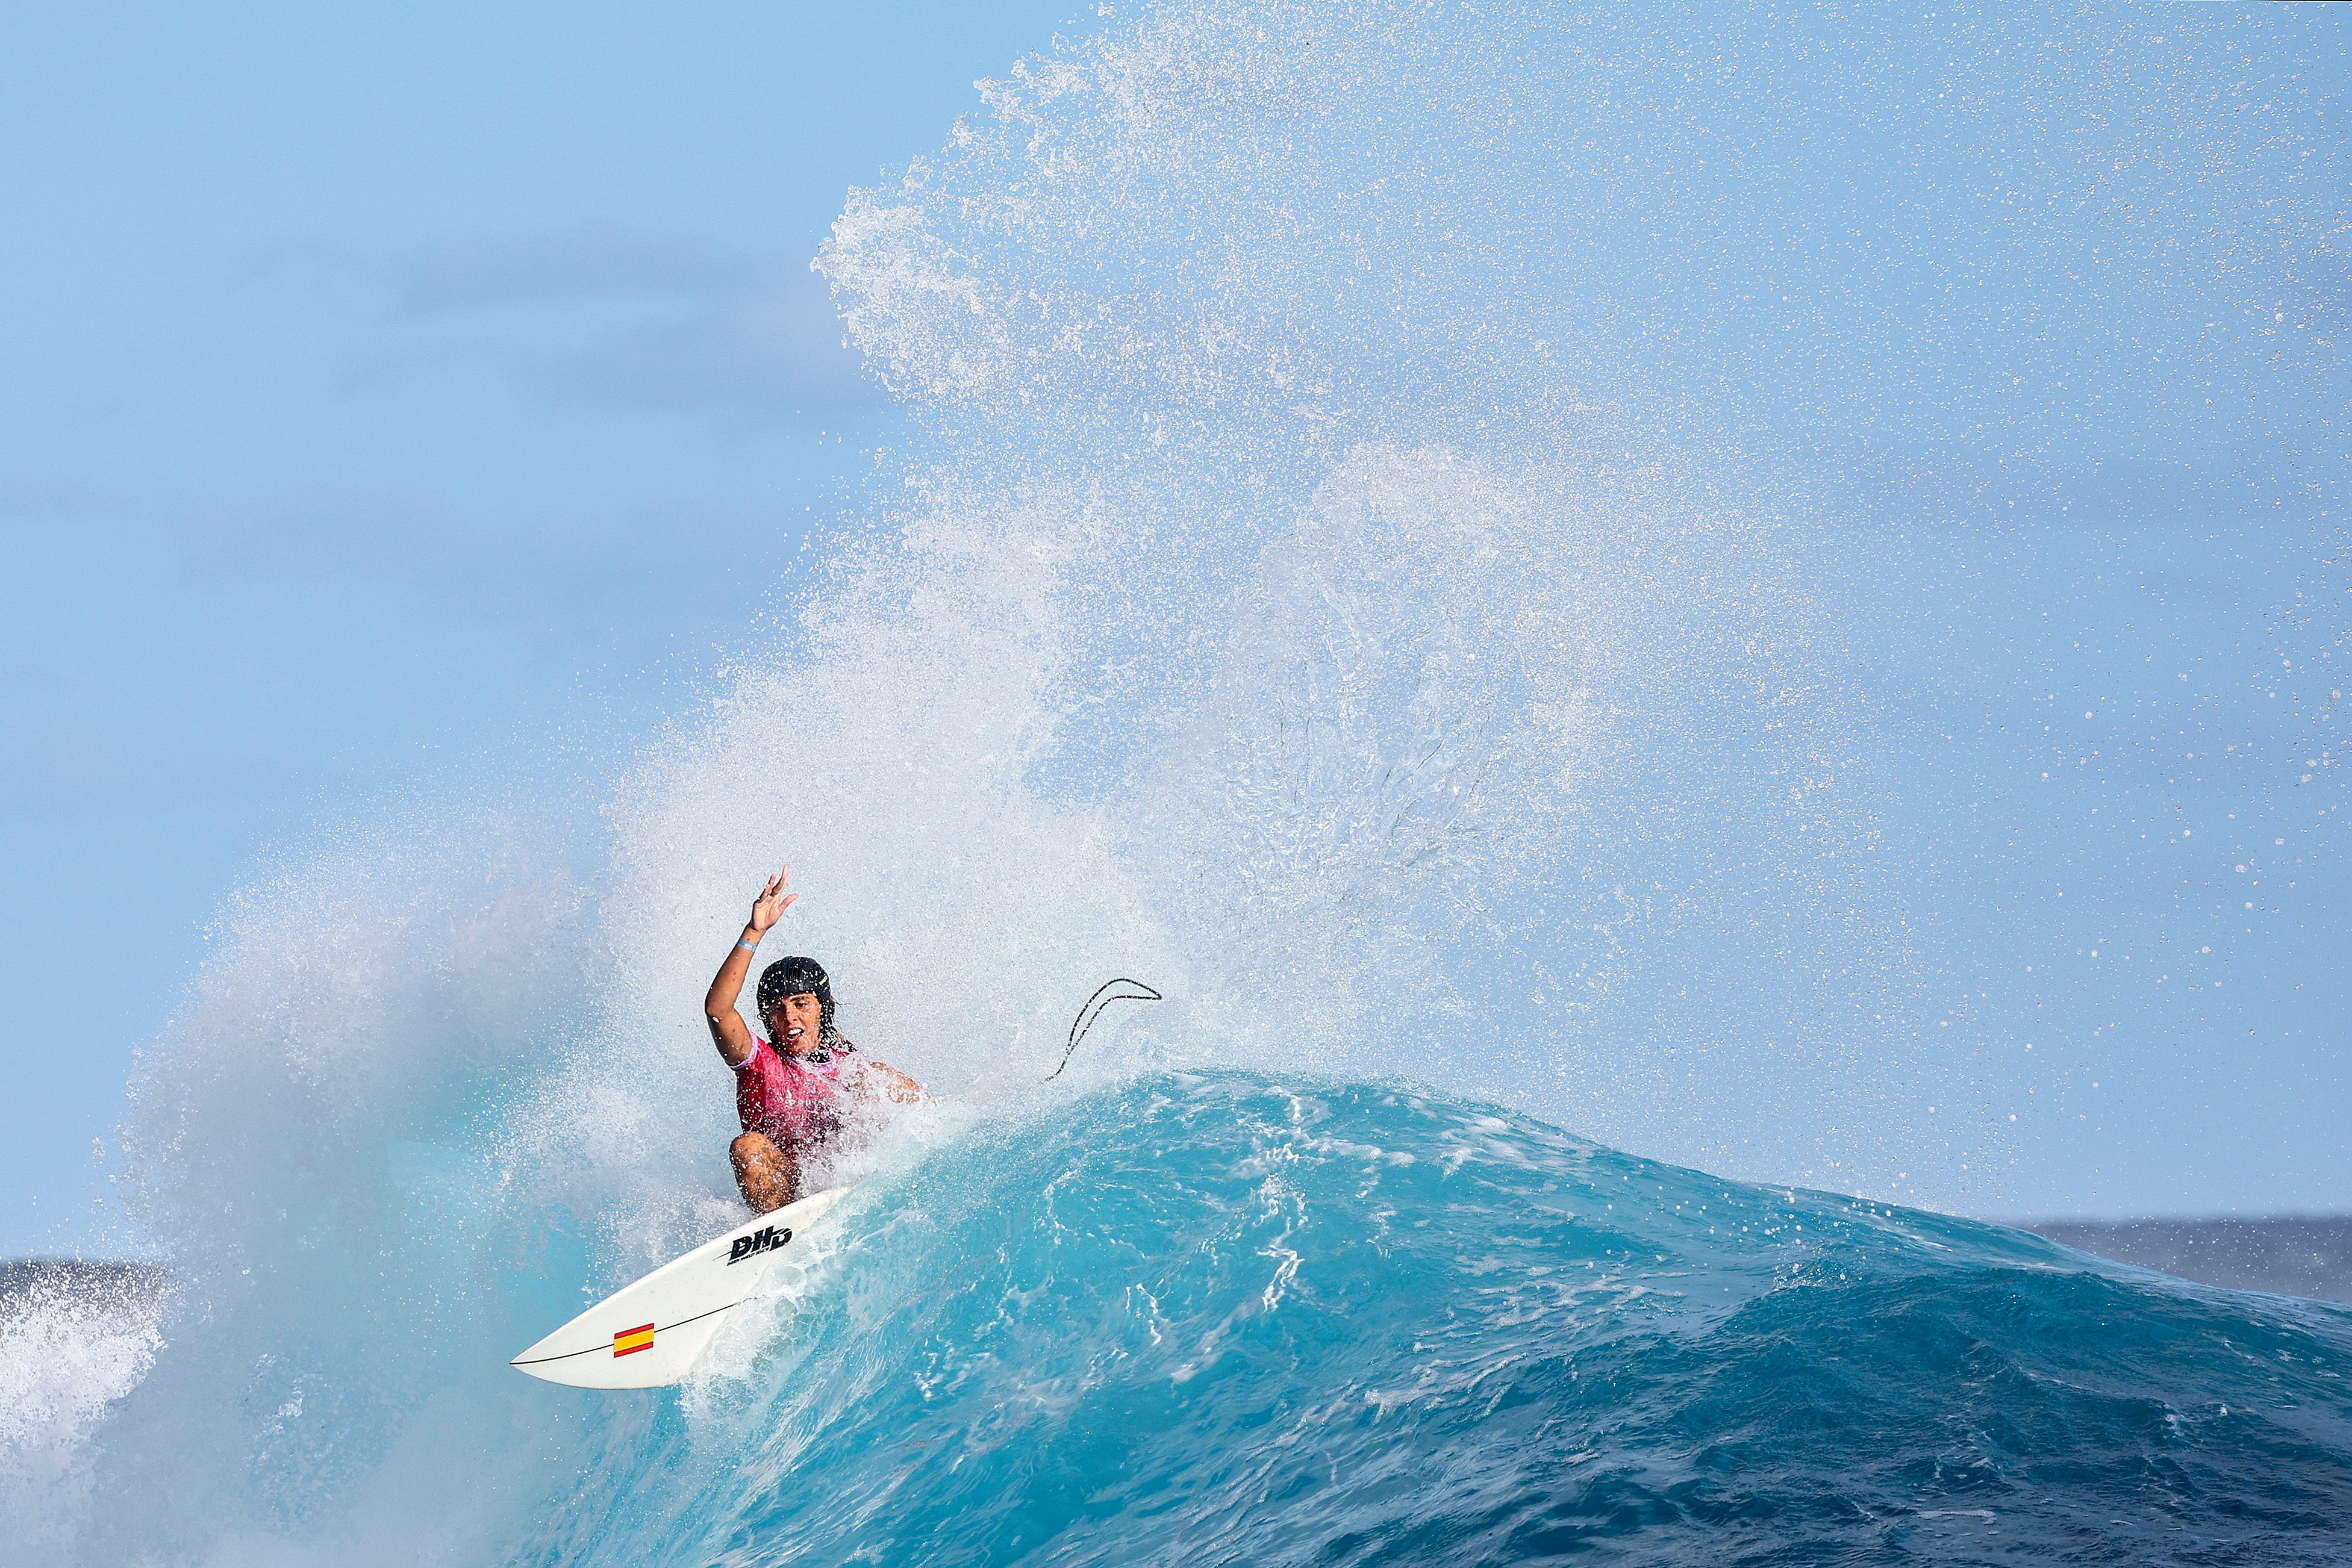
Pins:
x,y
747,946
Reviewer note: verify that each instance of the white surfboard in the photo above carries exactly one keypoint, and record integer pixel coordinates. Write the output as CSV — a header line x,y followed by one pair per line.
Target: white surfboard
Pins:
x,y
651,1333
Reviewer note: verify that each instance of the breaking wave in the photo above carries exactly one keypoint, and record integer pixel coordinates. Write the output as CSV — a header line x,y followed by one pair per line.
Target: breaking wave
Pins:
x,y
1367,568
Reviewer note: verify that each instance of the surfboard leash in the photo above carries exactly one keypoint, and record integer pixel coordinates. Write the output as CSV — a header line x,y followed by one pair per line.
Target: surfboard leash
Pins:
x,y
1093,1011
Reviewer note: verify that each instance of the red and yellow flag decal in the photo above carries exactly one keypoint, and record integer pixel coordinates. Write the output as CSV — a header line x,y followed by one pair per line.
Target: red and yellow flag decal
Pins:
x,y
628,1342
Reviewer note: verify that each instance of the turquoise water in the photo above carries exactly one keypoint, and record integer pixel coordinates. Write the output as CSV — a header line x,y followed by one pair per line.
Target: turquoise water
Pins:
x,y
1229,1319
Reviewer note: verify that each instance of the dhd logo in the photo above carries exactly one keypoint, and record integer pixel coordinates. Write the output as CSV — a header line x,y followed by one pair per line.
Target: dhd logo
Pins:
x,y
767,1239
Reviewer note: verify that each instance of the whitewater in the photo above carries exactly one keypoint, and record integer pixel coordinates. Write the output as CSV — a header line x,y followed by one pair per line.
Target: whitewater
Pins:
x,y
1391,488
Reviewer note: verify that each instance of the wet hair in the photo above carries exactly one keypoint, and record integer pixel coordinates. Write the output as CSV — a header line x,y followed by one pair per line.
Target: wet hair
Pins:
x,y
795,976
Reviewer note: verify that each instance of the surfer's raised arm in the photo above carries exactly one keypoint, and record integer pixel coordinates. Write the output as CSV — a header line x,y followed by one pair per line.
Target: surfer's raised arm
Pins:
x,y
727,1032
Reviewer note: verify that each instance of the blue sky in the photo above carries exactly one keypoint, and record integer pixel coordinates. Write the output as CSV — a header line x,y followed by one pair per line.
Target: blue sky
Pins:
x,y
397,395
420,403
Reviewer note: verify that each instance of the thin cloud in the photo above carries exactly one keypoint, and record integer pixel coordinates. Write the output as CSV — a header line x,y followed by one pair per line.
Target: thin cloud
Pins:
x,y
604,321
631,576
40,496
588,263
767,357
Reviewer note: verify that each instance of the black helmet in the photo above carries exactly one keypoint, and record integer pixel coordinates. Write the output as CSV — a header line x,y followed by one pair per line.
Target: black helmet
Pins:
x,y
792,978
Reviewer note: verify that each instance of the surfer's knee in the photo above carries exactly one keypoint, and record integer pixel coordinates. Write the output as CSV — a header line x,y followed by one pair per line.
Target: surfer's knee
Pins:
x,y
766,1175
749,1146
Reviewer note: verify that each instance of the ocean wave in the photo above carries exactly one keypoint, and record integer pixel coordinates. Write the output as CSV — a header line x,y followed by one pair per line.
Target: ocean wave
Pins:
x,y
1363,569
1231,1318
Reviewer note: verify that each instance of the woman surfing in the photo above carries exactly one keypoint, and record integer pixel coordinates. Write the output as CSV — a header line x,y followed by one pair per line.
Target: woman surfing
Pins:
x,y
794,1088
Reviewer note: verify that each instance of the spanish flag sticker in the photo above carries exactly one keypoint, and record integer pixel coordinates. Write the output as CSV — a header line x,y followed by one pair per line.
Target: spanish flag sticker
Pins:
x,y
628,1342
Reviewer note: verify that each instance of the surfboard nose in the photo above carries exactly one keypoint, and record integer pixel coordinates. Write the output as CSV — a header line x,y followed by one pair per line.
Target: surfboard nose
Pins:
x,y
652,1332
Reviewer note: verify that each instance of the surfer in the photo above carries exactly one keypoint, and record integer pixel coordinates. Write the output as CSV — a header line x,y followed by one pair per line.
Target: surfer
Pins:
x,y
791,1088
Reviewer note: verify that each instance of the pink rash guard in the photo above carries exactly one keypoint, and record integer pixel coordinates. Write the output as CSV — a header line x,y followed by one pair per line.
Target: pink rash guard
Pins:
x,y
791,1101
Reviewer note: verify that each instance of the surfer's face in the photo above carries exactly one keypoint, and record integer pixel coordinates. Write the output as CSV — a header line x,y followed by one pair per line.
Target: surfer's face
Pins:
x,y
793,1023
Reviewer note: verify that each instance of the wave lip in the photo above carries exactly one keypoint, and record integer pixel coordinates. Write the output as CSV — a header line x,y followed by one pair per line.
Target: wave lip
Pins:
x,y
1234,1318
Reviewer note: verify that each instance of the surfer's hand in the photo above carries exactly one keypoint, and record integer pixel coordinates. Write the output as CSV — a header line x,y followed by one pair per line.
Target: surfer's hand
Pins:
x,y
894,1084
769,906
